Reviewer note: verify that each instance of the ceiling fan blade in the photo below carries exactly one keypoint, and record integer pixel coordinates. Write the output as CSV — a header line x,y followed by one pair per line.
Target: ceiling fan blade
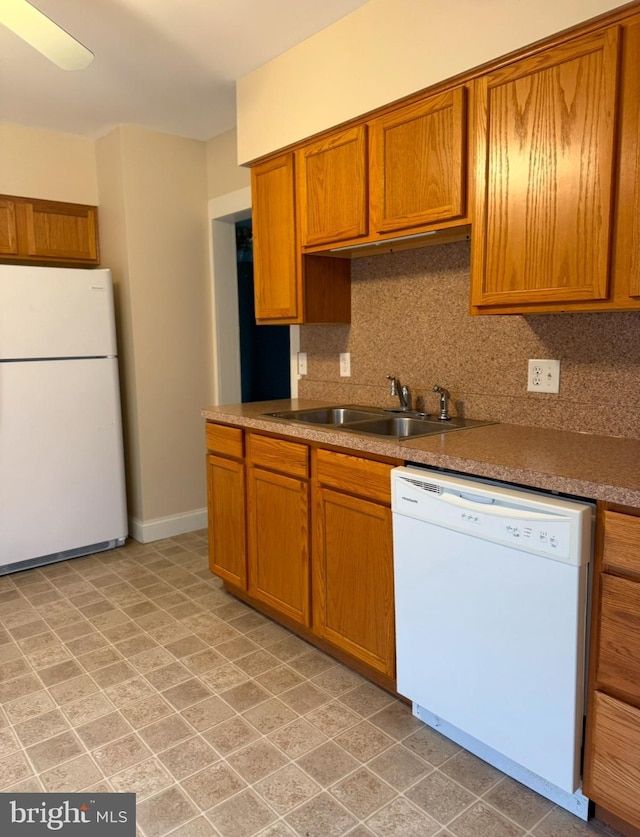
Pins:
x,y
43,34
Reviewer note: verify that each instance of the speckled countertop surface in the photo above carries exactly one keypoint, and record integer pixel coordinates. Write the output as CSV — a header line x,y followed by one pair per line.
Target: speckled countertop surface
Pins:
x,y
597,467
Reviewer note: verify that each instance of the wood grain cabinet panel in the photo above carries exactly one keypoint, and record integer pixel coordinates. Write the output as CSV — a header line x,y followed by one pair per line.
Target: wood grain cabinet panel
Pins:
x,y
59,231
290,287
545,129
418,163
227,519
621,543
618,668
353,577
626,254
612,767
48,232
8,230
332,187
278,527
277,289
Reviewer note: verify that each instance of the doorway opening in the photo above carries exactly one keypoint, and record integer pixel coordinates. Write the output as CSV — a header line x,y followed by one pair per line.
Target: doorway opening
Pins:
x,y
264,350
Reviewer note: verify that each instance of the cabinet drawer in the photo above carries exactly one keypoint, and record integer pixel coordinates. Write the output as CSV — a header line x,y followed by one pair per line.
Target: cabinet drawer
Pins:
x,y
612,767
619,645
355,475
290,458
621,542
225,440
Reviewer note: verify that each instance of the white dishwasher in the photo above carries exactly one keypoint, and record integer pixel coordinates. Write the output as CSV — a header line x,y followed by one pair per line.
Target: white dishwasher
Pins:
x,y
491,588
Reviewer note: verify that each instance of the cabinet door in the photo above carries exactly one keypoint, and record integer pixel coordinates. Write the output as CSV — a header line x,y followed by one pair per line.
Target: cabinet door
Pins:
x,y
61,231
618,666
278,529
277,289
417,163
544,170
627,242
227,524
353,577
331,177
612,766
8,235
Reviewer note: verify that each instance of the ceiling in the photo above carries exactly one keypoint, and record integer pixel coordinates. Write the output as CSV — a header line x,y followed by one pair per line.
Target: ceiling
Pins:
x,y
167,65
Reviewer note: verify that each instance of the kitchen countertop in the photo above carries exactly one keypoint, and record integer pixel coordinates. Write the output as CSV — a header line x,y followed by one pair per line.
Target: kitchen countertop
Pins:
x,y
596,467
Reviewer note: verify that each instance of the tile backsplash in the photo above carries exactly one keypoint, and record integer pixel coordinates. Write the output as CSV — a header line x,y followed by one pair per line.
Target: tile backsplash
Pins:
x,y
410,319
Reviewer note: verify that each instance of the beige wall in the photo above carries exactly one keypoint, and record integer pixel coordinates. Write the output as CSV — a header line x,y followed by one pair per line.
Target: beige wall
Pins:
x,y
383,51
45,164
224,175
152,190
410,318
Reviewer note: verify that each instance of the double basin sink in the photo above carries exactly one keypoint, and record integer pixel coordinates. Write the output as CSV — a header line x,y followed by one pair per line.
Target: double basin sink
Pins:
x,y
375,421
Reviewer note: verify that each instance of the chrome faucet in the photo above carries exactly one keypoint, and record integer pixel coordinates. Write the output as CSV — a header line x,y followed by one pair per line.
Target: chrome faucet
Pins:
x,y
402,392
444,402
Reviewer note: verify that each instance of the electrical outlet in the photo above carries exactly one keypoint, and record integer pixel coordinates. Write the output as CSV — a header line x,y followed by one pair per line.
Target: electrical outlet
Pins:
x,y
544,376
302,363
345,364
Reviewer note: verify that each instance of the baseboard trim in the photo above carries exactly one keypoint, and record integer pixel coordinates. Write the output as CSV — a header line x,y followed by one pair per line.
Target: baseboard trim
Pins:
x,y
146,531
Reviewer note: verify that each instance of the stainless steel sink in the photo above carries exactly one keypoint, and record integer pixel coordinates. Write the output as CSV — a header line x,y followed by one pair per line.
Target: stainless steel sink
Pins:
x,y
401,427
376,421
329,415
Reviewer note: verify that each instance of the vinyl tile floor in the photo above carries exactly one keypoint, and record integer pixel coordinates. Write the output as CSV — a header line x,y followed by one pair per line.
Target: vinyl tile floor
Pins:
x,y
134,671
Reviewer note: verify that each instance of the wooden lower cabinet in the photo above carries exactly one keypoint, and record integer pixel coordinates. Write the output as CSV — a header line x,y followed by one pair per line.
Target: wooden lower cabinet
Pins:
x,y
304,533
612,746
613,776
226,503
353,577
278,524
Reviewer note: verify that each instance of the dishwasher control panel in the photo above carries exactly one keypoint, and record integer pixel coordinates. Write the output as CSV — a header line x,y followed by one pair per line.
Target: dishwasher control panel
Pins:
x,y
547,526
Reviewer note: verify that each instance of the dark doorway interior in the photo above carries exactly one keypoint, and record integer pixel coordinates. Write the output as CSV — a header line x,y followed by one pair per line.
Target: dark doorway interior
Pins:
x,y
264,350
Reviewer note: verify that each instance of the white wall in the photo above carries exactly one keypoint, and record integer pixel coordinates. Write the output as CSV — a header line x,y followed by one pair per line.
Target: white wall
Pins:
x,y
383,51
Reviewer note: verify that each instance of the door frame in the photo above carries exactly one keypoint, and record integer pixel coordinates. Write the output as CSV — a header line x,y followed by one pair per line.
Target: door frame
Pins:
x,y
224,211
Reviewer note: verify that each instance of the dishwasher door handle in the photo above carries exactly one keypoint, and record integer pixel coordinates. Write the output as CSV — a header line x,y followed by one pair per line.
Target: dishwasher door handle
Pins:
x,y
495,507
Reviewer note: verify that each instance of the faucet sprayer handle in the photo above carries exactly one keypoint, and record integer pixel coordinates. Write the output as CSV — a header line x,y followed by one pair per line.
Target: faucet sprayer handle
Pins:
x,y
444,398
394,384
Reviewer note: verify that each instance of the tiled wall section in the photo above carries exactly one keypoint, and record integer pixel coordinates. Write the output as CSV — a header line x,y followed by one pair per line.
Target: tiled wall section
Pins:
x,y
410,319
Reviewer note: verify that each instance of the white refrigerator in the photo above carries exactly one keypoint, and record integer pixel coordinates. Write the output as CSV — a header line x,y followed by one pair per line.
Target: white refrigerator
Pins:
x,y
62,488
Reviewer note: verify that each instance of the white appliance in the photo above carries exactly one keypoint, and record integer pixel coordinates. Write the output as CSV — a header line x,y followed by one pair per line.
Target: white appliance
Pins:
x,y
62,490
491,589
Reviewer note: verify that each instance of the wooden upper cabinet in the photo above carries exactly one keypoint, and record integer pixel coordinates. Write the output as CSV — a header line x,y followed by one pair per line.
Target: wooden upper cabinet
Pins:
x,y
418,163
8,231
544,168
626,258
277,292
46,232
61,231
332,188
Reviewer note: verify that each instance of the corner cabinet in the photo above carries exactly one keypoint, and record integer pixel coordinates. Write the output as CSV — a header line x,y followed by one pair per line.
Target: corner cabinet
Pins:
x,y
48,232
612,747
290,287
